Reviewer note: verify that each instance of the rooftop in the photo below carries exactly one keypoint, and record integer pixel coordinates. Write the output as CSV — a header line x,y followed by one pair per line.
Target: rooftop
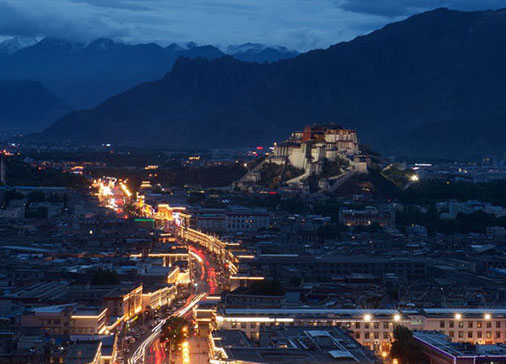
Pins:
x,y
442,344
83,352
293,344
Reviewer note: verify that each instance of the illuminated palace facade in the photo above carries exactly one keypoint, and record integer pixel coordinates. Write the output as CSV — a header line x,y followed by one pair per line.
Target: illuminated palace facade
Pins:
x,y
309,148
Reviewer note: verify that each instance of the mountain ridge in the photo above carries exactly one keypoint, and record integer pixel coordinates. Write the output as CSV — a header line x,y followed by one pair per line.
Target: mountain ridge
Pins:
x,y
27,106
12,45
440,66
86,74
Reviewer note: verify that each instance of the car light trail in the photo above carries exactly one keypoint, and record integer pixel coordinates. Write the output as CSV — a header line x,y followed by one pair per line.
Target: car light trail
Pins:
x,y
139,355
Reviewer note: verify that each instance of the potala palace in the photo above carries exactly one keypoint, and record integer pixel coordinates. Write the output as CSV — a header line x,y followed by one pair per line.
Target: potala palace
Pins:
x,y
309,148
312,151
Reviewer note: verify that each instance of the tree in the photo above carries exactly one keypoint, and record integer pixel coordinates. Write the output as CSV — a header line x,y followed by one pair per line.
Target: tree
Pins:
x,y
405,348
174,332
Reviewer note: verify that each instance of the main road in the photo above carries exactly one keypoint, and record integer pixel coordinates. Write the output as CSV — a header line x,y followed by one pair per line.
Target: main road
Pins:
x,y
150,351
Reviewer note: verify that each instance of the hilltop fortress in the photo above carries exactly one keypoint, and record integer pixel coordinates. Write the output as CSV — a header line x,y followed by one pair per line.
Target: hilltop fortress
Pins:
x,y
329,153
309,148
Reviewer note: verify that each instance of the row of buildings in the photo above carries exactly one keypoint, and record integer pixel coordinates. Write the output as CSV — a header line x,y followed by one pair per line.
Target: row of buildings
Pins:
x,y
373,328
229,220
72,286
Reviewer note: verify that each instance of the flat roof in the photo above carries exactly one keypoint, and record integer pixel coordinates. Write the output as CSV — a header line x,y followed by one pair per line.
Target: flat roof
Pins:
x,y
317,311
294,344
441,343
87,311
325,311
52,309
82,352
465,312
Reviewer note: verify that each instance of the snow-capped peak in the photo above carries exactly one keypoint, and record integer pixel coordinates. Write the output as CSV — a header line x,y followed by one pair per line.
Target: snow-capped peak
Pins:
x,y
12,45
102,44
245,48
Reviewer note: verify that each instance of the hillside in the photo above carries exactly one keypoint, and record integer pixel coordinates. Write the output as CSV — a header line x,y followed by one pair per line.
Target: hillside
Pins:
x,y
26,106
441,67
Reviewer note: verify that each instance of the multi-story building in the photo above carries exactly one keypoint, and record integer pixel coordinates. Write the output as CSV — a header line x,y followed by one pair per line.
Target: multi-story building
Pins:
x,y
374,328
54,320
233,219
158,296
87,352
451,209
108,347
479,326
65,319
88,321
208,219
124,302
244,219
285,266
366,216
244,299
277,345
439,349
38,292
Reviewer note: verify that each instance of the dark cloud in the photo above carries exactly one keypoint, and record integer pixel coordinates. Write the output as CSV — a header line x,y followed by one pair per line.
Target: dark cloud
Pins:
x,y
13,22
297,24
116,4
392,8
40,19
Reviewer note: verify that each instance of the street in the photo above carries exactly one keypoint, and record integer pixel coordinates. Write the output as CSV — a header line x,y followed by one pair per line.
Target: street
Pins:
x,y
150,350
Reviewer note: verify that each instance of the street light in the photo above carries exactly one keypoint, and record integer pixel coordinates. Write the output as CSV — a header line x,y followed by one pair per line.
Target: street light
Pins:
x,y
488,316
367,317
458,316
397,317
186,351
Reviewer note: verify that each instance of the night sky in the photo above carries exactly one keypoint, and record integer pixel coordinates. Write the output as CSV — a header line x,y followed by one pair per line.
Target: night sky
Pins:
x,y
297,24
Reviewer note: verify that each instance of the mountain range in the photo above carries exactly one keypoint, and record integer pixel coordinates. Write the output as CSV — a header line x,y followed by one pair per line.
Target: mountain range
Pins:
x,y
431,85
84,75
